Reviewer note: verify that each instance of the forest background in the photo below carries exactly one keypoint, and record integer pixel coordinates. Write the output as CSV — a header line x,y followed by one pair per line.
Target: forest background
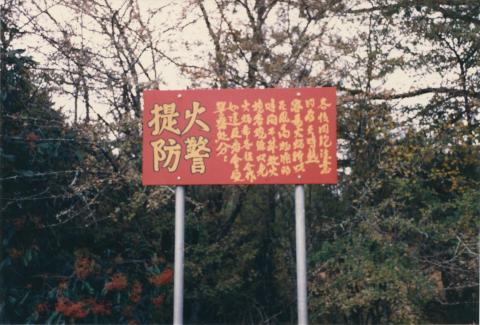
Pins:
x,y
395,241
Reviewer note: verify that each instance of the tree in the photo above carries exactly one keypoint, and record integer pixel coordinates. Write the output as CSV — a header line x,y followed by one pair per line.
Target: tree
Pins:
x,y
33,136
53,176
243,43
394,241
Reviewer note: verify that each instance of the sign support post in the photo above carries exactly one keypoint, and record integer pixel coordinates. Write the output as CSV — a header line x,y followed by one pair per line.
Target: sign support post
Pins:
x,y
235,137
179,252
301,255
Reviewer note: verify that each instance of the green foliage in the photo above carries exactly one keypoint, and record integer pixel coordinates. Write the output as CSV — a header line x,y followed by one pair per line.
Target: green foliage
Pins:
x,y
396,241
59,266
368,279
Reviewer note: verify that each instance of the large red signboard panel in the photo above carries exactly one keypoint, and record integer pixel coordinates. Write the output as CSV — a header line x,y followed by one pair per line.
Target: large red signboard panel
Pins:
x,y
239,136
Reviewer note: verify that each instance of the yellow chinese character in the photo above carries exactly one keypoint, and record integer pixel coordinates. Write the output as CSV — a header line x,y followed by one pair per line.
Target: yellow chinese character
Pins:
x,y
298,132
326,164
296,105
285,146
297,121
262,170
246,105
260,133
271,131
235,134
258,119
164,118
310,116
271,145
272,160
233,120
236,146
311,141
285,158
324,141
299,168
249,172
192,116
323,129
260,145
324,105
297,156
298,144
247,145
284,132
285,170
270,105
246,130
310,131
310,103
221,122
262,157
222,136
221,107
323,117
312,156
248,156
222,149
168,153
232,107
246,119
236,176
272,119
258,106
282,106
283,117
272,164
235,161
197,150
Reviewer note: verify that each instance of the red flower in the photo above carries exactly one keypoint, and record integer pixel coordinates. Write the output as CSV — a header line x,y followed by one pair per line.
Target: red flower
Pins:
x,y
158,301
14,253
119,282
41,308
71,309
32,137
63,285
18,223
162,278
83,267
136,293
100,309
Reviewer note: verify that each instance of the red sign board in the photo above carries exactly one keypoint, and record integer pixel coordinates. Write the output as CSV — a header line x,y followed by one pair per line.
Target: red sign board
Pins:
x,y
239,136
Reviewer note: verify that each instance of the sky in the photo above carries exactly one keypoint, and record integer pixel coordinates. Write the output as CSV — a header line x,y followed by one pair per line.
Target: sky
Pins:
x,y
193,44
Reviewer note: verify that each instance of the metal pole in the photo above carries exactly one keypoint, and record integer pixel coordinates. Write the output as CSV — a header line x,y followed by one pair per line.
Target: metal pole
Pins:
x,y
179,249
301,255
